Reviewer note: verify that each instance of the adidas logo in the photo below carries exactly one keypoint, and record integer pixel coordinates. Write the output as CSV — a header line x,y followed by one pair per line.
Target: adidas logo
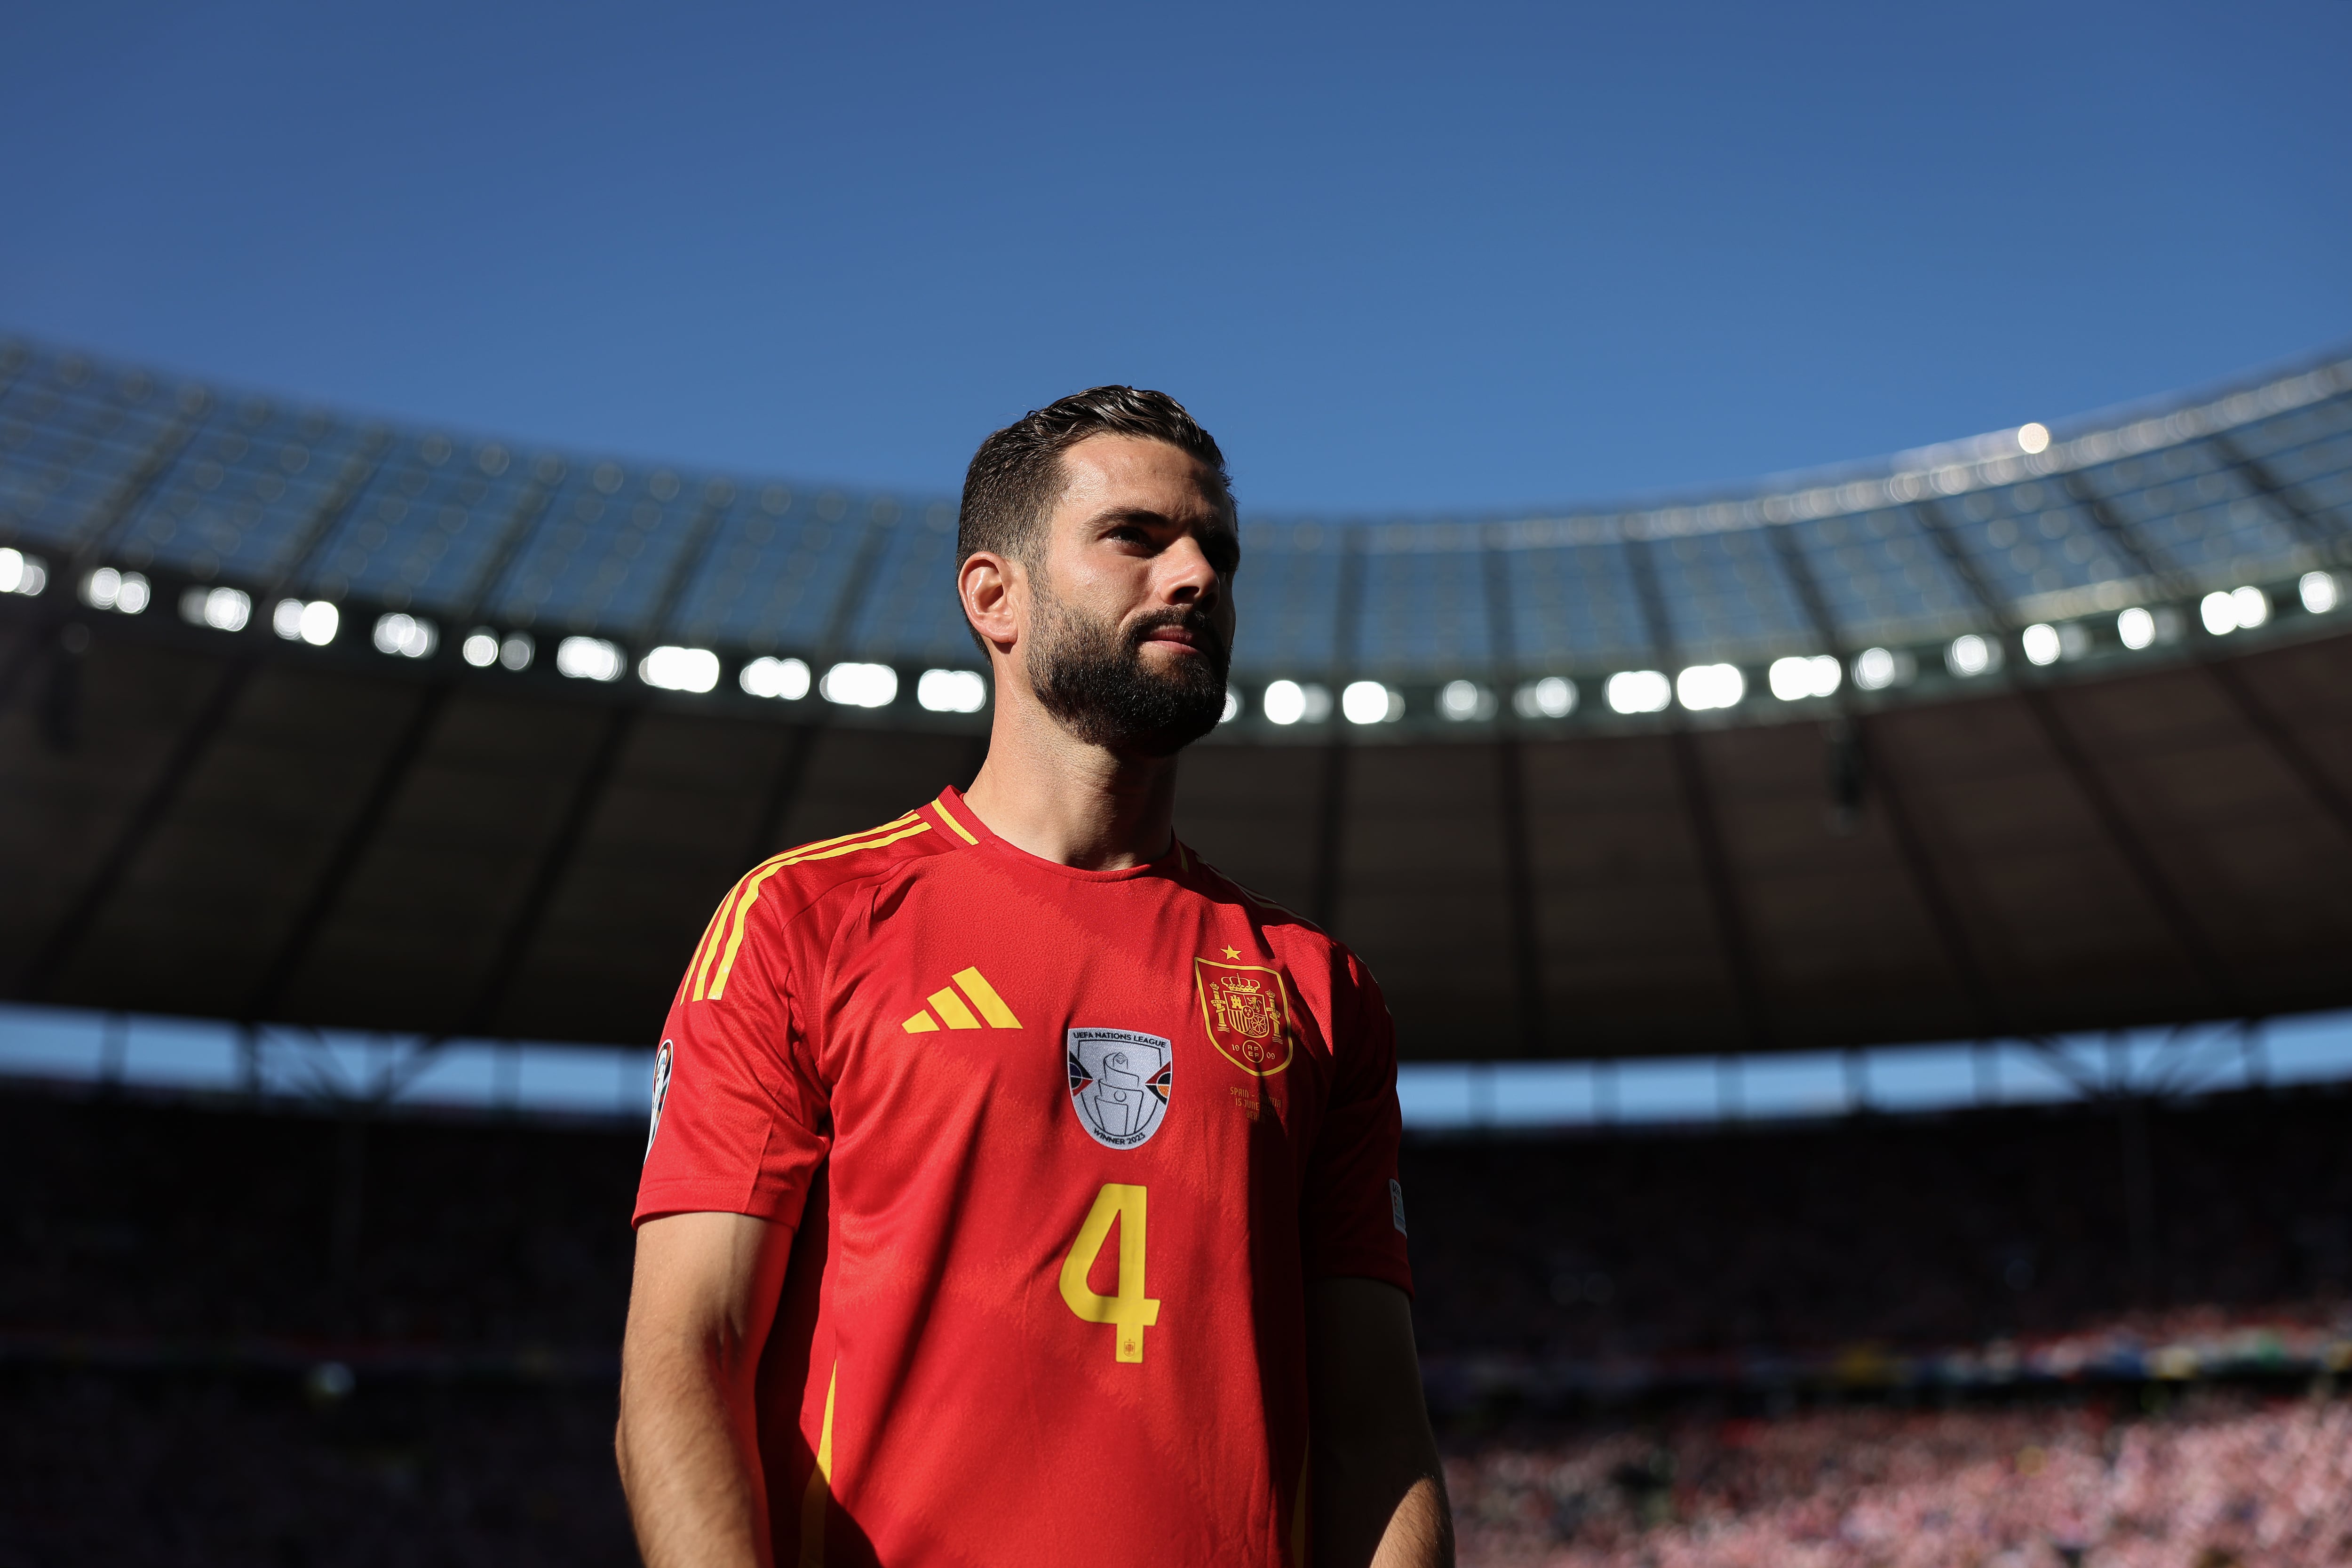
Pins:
x,y
950,1007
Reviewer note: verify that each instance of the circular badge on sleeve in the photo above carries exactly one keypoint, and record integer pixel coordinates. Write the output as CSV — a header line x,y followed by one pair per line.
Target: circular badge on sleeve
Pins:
x,y
661,1092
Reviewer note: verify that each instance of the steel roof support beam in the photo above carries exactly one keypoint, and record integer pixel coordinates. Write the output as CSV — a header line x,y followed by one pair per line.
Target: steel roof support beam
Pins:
x,y
2277,493
2284,744
359,471
546,477
2089,783
717,501
547,878
1725,902
1331,798
801,744
49,962
1952,937
87,546
2137,854
358,837
1511,812
2274,733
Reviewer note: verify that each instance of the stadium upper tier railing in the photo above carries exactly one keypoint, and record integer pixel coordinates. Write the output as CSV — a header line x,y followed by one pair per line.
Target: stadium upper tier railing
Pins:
x,y
2105,538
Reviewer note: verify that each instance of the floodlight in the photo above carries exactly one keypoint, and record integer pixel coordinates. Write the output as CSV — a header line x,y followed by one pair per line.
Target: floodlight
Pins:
x,y
785,679
1369,702
589,659
406,636
952,691
1706,686
1639,692
854,685
674,669
1553,697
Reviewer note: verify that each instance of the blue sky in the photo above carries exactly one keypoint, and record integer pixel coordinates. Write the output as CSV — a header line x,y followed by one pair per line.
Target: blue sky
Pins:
x,y
1398,259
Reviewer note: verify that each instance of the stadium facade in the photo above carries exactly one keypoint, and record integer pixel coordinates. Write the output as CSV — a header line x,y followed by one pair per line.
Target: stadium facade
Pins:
x,y
321,721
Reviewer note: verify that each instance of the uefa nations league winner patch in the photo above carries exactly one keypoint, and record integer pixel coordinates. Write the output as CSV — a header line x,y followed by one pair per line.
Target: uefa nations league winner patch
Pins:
x,y
1119,1083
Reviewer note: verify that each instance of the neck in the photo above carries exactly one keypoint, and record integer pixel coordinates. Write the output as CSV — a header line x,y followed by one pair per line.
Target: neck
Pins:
x,y
1044,791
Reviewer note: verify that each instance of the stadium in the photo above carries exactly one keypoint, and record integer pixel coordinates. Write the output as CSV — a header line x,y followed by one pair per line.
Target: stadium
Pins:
x,y
343,753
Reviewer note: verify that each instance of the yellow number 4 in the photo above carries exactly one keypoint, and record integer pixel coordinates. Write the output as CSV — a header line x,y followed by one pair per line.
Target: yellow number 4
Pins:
x,y
1130,1310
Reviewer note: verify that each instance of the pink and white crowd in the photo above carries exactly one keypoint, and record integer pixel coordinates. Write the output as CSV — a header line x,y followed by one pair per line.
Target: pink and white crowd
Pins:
x,y
2212,1482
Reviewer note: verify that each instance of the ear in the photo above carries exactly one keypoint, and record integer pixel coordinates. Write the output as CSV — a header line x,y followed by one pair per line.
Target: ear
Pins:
x,y
985,583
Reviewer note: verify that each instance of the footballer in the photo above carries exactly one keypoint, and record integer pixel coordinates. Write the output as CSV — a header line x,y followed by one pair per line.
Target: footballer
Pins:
x,y
1020,1189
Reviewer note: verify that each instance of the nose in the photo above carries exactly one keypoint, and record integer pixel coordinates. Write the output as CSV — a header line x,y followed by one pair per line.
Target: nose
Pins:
x,y
1186,575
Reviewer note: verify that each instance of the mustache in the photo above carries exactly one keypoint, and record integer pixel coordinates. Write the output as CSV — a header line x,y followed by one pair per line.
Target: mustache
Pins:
x,y
1198,622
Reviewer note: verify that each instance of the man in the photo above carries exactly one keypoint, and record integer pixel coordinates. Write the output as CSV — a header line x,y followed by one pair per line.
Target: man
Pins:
x,y
1020,1190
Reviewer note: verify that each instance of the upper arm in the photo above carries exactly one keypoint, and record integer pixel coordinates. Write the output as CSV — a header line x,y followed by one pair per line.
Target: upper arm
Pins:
x,y
1352,1208
1362,1369
742,1118
712,1281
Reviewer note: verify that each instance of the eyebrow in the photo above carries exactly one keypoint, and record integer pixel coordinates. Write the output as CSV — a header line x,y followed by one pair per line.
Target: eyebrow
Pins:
x,y
1221,540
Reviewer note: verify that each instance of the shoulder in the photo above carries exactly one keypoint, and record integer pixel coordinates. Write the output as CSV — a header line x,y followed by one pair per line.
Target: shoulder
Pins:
x,y
806,873
807,888
1301,943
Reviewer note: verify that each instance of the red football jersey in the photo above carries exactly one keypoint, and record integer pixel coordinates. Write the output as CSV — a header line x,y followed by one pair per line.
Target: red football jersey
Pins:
x,y
1064,1148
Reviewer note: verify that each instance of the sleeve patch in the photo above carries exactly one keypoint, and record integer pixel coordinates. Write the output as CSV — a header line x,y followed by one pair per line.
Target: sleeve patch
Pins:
x,y
1396,1203
662,1058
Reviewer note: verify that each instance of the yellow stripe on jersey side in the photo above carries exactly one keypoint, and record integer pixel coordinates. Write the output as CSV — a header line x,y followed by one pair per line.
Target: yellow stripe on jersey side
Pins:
x,y
719,961
708,955
702,948
718,986
820,1482
940,805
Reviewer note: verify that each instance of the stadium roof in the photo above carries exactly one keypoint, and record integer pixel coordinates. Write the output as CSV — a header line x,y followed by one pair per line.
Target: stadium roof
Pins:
x,y
2040,730
100,464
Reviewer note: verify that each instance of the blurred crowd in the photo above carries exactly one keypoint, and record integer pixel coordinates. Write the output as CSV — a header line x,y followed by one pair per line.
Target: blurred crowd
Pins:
x,y
131,1469
1908,1231
153,1219
159,1222
2219,1480
182,1278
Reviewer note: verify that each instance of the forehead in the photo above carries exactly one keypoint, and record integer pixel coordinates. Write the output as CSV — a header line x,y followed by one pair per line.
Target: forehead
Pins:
x,y
1135,473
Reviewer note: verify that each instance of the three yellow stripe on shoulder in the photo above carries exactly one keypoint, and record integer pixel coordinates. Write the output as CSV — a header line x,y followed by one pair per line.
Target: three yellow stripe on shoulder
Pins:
x,y
715,959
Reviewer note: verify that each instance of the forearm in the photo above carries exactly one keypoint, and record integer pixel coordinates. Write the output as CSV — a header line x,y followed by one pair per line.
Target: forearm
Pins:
x,y
1378,1487
1380,1502
688,1450
1419,1534
688,1439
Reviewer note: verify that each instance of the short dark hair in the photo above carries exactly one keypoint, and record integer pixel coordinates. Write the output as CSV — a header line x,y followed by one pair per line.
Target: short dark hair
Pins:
x,y
1017,473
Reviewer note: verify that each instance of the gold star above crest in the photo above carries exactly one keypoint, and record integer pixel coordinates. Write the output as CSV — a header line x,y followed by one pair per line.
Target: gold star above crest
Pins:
x,y
1232,952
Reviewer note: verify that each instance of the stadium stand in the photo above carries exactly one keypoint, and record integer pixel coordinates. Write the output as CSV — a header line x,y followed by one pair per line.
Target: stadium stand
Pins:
x,y
312,722
1784,1344
2214,1480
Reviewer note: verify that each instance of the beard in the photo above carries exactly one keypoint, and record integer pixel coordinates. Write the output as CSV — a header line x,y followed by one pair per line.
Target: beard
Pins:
x,y
1091,677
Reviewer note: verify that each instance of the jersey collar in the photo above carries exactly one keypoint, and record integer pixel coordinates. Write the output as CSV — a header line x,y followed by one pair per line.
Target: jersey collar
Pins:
x,y
964,823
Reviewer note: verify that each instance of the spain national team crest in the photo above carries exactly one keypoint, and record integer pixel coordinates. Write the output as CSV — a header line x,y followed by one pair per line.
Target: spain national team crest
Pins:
x,y
1120,1081
1246,1008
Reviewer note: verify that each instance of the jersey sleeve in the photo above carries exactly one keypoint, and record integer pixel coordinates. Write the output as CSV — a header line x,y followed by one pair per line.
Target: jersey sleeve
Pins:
x,y
1352,1207
740,1117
